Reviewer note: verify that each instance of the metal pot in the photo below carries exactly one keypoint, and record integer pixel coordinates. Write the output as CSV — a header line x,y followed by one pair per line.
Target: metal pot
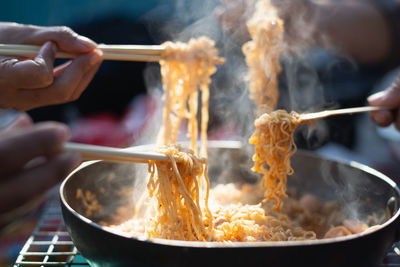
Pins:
x,y
360,190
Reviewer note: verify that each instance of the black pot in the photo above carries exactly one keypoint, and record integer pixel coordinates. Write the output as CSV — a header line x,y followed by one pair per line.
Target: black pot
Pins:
x,y
360,190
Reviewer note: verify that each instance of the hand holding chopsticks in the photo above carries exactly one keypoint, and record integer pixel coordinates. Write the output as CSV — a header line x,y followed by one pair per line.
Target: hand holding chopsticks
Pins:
x,y
147,53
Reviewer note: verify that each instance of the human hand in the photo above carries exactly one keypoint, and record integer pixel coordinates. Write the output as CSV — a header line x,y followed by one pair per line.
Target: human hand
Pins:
x,y
30,83
388,98
31,161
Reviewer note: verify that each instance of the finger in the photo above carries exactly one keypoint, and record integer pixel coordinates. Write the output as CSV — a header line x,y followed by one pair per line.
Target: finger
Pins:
x,y
35,181
32,73
72,75
43,139
65,38
83,84
21,121
64,85
382,118
387,98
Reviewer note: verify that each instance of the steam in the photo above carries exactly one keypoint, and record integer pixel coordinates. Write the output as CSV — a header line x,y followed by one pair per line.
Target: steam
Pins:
x,y
229,103
352,188
300,87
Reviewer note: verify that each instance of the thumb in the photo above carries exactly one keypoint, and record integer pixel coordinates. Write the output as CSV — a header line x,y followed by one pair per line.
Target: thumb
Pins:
x,y
30,73
387,98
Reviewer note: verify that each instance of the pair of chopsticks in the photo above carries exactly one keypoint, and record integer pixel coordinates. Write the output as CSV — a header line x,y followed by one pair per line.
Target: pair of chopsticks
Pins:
x,y
92,152
148,53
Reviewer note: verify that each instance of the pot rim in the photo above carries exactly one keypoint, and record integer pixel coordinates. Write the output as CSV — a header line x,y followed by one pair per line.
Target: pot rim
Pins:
x,y
202,244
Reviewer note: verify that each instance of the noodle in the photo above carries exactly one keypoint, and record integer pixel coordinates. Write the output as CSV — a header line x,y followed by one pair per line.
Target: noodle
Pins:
x,y
241,223
175,185
186,69
273,137
262,55
273,148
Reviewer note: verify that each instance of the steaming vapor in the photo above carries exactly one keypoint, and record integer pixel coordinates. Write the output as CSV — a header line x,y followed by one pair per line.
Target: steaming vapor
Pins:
x,y
229,103
300,88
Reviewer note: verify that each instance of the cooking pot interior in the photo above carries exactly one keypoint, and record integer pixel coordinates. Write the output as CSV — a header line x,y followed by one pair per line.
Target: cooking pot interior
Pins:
x,y
107,192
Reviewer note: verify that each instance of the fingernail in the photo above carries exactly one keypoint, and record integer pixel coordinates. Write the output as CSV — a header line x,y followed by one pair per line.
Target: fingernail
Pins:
x,y
86,42
95,58
376,96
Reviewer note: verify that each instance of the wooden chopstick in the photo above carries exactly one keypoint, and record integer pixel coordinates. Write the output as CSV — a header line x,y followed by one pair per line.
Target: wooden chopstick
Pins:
x,y
327,113
133,49
110,154
147,53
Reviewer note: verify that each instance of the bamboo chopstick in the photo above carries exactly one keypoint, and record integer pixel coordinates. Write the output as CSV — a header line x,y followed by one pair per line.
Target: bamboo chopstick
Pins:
x,y
148,53
327,113
110,154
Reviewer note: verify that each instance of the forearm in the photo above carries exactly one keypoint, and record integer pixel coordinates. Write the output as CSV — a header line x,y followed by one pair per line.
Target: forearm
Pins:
x,y
355,28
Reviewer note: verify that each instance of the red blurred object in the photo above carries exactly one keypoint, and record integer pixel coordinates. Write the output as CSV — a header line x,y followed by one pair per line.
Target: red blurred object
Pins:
x,y
106,129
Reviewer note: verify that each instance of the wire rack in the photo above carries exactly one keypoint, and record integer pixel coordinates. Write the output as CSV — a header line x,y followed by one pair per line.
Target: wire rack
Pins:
x,y
50,244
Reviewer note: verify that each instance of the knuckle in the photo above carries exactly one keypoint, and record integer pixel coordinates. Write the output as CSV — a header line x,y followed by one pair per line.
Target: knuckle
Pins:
x,y
6,64
7,76
65,32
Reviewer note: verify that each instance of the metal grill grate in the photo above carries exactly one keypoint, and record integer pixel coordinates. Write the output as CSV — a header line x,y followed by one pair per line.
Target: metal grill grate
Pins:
x,y
50,244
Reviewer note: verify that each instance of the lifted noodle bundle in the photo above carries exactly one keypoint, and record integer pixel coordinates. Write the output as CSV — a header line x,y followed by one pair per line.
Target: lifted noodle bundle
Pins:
x,y
273,148
186,70
262,55
273,137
